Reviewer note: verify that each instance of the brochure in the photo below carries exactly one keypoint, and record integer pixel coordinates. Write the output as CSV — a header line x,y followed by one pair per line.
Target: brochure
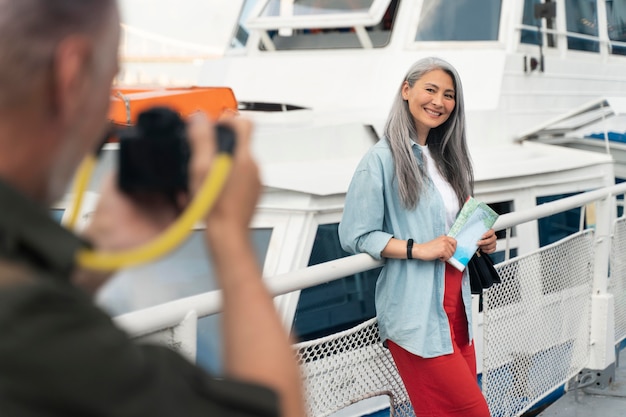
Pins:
x,y
474,219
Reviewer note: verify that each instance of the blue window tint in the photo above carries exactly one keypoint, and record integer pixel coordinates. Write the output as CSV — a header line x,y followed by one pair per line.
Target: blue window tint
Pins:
x,y
337,305
557,226
534,36
582,17
185,272
242,32
503,207
530,36
460,20
616,22
620,198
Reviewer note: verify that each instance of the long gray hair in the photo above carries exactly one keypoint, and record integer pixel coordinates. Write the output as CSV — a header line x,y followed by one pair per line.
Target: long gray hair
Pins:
x,y
447,142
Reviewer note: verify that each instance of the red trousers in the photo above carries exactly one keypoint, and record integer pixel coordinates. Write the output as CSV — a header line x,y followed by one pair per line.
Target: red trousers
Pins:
x,y
444,386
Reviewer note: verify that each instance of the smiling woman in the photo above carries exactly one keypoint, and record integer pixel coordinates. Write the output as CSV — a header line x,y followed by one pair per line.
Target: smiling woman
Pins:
x,y
402,201
431,101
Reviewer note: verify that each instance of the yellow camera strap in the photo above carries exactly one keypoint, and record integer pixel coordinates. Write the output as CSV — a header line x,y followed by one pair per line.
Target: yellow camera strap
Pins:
x,y
173,236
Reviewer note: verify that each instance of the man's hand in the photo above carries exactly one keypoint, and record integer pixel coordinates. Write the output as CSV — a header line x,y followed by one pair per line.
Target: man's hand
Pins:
x,y
235,207
256,346
122,222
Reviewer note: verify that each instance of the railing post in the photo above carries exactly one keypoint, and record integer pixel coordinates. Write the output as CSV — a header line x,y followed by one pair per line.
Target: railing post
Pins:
x,y
600,370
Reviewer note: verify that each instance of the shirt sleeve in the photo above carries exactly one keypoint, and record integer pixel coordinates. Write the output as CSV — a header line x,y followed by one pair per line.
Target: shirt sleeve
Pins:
x,y
61,355
361,227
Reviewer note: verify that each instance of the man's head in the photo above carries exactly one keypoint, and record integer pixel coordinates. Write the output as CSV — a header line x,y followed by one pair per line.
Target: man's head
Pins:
x,y
58,58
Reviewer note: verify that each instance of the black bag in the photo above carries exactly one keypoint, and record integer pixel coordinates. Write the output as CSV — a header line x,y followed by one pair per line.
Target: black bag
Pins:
x,y
482,273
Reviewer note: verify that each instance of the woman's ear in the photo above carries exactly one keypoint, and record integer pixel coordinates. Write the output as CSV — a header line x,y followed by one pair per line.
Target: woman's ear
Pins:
x,y
405,90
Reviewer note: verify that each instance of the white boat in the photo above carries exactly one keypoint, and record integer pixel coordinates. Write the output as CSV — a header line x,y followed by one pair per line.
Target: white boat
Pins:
x,y
318,78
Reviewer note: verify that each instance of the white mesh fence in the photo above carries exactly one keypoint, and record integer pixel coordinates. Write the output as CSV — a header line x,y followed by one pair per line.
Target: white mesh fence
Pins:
x,y
617,281
526,353
347,367
536,324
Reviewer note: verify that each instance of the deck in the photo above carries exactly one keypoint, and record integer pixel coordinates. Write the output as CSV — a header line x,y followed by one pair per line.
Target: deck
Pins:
x,y
609,403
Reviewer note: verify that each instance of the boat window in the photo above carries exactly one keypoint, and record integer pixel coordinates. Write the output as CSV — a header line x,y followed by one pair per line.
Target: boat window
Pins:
x,y
324,24
616,22
185,272
461,20
528,19
620,198
337,305
501,208
582,19
242,32
317,7
557,226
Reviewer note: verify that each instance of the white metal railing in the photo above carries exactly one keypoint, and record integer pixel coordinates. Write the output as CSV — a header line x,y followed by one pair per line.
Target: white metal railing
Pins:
x,y
573,35
591,251
163,316
536,324
617,281
155,318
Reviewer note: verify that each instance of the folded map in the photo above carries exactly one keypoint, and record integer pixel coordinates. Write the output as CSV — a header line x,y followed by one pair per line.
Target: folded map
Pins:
x,y
474,219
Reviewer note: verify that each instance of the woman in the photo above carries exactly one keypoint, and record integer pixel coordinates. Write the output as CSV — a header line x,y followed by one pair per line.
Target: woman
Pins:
x,y
403,199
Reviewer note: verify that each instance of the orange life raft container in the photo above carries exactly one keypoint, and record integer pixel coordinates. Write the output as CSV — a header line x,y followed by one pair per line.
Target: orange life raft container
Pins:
x,y
127,103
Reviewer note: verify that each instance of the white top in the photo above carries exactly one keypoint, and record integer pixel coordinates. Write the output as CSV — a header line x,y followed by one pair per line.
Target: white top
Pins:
x,y
444,188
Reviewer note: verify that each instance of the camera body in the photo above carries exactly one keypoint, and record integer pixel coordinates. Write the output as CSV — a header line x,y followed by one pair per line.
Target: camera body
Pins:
x,y
154,155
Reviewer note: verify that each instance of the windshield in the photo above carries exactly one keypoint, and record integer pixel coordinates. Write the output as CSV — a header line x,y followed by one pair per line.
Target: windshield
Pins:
x,y
315,7
184,272
461,20
317,24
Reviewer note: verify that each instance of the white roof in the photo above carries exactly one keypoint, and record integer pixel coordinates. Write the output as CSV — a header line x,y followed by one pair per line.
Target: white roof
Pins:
x,y
530,159
584,116
321,160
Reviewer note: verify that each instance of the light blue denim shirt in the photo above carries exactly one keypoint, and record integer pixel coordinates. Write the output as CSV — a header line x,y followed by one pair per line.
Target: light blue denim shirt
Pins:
x,y
409,293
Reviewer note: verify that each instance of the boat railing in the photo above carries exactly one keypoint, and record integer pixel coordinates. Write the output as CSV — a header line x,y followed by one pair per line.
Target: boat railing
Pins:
x,y
555,320
564,35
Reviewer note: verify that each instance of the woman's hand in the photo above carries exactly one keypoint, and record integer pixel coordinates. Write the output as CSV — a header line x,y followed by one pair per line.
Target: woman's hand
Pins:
x,y
441,248
488,242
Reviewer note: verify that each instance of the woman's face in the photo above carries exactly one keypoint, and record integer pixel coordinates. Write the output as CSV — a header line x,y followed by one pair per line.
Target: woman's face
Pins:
x,y
431,101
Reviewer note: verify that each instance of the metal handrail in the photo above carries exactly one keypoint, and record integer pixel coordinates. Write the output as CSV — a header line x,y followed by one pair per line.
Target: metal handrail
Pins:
x,y
166,315
574,35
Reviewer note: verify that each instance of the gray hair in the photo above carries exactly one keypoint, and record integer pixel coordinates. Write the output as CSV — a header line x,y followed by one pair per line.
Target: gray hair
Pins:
x,y
29,33
447,143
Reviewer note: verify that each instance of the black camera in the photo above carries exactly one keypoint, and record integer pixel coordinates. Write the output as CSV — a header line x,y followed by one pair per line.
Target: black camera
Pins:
x,y
154,154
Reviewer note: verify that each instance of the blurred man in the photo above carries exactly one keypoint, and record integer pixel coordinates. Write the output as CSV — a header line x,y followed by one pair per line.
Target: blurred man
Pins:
x,y
60,355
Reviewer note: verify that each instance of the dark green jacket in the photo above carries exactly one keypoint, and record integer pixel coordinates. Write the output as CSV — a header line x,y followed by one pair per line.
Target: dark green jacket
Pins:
x,y
62,356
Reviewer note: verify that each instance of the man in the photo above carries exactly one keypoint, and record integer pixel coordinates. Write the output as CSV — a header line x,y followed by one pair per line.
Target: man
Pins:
x,y
60,355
